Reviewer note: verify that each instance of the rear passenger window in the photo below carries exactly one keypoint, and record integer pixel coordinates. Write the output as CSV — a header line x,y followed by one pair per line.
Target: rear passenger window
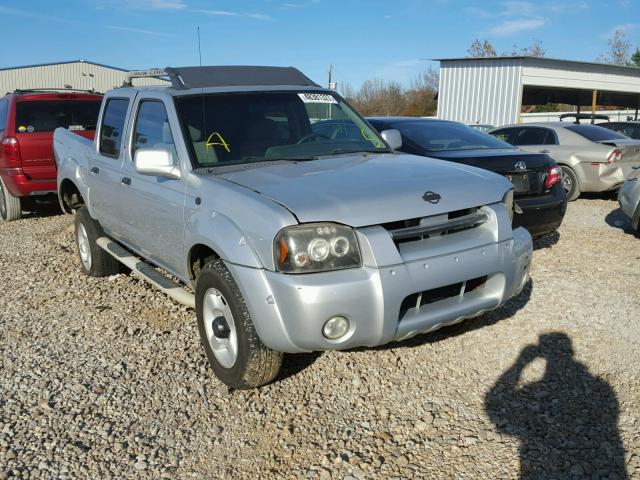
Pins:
x,y
152,128
534,136
4,107
112,128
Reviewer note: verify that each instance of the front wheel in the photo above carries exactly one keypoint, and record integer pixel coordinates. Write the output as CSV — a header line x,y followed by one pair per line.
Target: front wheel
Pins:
x,y
10,206
570,183
236,353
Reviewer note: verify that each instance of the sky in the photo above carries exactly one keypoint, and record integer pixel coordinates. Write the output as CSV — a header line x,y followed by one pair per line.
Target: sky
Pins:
x,y
361,39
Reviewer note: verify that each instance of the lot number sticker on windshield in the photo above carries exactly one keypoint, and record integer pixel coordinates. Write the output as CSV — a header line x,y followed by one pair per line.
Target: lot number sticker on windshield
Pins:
x,y
317,98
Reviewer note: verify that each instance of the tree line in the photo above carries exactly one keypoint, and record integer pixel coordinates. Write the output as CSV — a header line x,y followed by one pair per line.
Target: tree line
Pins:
x,y
389,97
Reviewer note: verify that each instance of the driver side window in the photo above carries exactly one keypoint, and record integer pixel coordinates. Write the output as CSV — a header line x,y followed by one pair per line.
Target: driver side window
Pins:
x,y
152,130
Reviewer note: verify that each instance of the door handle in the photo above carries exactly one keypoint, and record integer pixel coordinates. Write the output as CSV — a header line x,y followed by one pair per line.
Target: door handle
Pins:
x,y
95,170
126,181
544,151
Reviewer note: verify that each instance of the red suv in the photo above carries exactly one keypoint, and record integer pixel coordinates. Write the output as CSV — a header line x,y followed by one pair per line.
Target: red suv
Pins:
x,y
27,122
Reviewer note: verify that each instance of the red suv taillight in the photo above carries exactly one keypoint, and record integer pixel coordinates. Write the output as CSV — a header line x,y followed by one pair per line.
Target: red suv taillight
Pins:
x,y
11,151
615,156
554,175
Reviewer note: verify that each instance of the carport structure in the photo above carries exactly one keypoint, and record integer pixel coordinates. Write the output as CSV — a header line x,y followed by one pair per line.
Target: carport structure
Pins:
x,y
493,90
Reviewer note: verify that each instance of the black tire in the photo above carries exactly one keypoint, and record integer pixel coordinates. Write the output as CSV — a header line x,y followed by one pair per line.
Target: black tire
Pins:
x,y
255,364
570,183
10,206
100,263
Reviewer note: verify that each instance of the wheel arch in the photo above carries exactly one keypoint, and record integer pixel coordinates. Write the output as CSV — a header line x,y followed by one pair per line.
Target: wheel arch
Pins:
x,y
69,196
199,254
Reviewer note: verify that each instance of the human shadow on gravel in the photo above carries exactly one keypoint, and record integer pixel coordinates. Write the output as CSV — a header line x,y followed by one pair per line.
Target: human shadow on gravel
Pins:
x,y
617,219
567,422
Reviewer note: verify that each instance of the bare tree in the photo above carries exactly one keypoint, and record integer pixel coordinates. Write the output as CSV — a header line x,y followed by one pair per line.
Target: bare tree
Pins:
x,y
380,97
635,58
481,50
619,47
421,96
347,91
534,50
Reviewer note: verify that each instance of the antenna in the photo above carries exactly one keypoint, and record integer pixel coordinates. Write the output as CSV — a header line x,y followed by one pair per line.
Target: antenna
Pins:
x,y
199,49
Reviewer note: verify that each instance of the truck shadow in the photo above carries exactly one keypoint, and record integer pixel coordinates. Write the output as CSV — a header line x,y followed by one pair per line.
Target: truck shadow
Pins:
x,y
566,421
41,209
546,241
296,363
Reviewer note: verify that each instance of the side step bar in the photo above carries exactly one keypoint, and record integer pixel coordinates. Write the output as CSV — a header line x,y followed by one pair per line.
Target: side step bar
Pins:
x,y
148,273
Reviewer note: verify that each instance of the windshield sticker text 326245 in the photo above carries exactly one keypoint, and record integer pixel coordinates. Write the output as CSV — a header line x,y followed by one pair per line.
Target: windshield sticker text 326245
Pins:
x,y
317,98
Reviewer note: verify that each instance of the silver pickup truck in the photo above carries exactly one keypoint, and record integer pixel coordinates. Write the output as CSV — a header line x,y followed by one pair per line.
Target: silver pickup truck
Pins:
x,y
290,223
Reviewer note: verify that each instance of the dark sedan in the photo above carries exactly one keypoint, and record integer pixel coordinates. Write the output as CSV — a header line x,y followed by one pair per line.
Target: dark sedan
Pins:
x,y
535,176
628,129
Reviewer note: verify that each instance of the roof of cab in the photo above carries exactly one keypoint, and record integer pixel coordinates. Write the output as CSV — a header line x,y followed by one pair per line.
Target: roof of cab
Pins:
x,y
188,78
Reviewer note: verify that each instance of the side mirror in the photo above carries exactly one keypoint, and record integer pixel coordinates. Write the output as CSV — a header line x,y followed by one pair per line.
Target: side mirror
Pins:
x,y
157,162
392,137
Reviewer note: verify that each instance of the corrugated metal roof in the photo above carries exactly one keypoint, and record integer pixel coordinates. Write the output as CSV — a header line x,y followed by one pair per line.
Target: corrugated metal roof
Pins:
x,y
63,63
550,62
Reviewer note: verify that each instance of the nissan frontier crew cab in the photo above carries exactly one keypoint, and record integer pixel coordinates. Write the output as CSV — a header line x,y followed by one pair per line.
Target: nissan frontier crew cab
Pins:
x,y
291,224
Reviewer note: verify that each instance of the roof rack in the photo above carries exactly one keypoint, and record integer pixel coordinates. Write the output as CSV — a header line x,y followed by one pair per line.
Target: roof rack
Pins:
x,y
151,73
184,78
71,90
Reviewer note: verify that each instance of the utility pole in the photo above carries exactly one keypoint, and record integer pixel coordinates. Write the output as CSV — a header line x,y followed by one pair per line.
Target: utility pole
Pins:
x,y
332,85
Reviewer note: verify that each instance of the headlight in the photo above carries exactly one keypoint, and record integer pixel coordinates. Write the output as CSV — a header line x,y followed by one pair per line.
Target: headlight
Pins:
x,y
508,204
316,247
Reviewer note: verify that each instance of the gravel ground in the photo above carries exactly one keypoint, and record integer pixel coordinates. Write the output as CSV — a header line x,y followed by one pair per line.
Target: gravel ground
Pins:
x,y
105,378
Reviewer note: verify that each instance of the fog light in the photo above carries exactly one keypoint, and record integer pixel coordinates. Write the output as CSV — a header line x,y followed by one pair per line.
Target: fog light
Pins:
x,y
335,328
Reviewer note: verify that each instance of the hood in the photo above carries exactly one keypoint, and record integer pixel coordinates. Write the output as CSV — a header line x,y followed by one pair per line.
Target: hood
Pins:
x,y
499,161
360,190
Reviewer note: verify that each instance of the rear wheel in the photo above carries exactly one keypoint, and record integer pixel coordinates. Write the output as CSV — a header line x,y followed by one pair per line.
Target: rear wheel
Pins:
x,y
10,206
236,353
94,261
570,183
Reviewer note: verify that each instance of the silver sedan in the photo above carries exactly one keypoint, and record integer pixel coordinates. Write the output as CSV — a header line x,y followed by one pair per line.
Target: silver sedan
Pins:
x,y
592,158
629,199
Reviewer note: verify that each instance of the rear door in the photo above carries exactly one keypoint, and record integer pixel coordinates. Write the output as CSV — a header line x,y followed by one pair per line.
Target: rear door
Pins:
x,y
106,163
39,115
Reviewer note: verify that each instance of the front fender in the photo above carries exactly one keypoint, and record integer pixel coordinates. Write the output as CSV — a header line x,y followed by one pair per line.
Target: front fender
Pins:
x,y
223,236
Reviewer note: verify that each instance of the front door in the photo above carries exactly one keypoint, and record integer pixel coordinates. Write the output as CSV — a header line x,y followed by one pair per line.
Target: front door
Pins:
x,y
153,205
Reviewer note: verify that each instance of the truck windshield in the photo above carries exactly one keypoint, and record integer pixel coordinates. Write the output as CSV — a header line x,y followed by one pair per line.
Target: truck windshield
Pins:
x,y
47,115
235,128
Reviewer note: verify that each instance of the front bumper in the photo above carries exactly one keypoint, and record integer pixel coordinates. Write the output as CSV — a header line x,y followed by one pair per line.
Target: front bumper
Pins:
x,y
289,311
629,200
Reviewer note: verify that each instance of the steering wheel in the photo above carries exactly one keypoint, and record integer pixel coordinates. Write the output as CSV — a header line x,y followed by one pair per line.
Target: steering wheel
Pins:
x,y
309,136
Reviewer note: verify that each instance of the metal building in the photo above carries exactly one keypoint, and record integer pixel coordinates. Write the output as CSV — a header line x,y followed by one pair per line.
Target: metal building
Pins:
x,y
493,90
76,74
